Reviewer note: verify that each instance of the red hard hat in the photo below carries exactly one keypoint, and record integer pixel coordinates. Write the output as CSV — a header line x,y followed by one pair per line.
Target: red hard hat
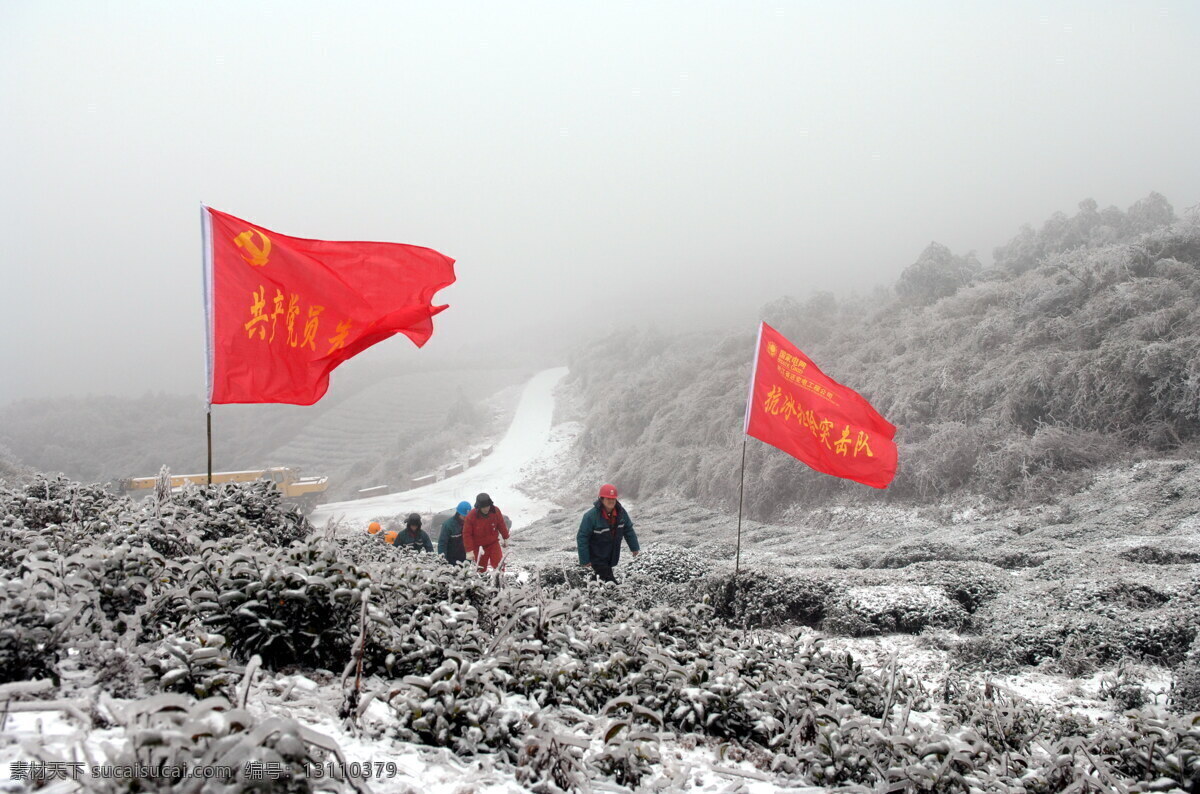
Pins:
x,y
608,492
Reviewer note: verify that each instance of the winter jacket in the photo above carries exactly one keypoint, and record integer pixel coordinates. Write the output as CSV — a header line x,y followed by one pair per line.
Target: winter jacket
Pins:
x,y
419,541
480,530
450,542
599,541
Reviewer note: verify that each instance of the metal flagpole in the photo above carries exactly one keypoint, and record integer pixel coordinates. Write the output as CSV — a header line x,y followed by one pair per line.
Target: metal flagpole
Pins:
x,y
741,490
206,276
745,432
210,444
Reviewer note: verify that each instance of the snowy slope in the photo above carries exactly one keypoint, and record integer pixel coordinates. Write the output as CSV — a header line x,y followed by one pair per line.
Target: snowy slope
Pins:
x,y
527,441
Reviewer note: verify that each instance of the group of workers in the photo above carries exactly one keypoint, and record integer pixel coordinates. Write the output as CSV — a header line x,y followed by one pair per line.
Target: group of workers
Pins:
x,y
481,533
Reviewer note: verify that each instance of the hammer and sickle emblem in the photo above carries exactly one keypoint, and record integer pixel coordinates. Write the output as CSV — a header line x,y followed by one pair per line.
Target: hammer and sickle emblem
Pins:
x,y
250,251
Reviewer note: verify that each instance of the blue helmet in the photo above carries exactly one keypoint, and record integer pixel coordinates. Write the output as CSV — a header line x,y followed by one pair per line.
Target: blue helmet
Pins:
x,y
463,508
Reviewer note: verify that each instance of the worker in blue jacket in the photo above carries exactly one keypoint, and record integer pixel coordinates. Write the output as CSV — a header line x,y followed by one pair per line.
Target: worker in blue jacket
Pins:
x,y
601,532
450,542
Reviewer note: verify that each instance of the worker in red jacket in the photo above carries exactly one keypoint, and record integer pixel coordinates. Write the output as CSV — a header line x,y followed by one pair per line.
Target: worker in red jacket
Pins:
x,y
485,533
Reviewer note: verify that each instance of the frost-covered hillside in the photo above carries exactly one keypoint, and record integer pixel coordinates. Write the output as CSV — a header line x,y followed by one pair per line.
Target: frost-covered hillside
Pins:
x,y
1079,348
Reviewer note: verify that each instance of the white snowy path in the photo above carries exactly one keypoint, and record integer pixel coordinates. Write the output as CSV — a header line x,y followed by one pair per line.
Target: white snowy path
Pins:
x,y
527,442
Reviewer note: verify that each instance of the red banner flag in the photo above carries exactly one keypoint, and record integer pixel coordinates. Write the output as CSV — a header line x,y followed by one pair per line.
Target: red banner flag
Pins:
x,y
282,312
796,407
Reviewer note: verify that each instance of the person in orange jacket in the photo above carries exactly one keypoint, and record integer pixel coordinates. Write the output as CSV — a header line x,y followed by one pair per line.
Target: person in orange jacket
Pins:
x,y
485,533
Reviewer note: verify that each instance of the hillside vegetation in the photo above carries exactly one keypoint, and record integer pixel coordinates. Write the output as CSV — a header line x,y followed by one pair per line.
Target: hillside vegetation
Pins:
x,y
208,628
1079,347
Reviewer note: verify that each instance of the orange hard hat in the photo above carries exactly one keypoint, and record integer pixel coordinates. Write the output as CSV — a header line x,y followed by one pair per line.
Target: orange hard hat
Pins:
x,y
374,527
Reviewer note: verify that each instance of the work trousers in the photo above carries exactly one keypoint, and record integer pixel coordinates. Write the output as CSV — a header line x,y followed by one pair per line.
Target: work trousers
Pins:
x,y
603,572
488,556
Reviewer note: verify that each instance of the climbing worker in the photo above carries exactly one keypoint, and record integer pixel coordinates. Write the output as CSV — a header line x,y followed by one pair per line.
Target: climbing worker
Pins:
x,y
450,542
412,536
601,532
485,533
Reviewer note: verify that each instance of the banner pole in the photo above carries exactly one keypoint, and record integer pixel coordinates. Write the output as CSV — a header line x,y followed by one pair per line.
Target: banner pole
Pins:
x,y
737,565
206,277
210,443
745,432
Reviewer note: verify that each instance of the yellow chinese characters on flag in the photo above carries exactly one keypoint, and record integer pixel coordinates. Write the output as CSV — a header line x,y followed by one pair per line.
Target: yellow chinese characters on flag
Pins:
x,y
797,408
282,312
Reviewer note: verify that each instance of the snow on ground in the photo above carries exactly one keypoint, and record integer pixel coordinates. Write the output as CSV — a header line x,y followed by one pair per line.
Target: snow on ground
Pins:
x,y
30,736
528,442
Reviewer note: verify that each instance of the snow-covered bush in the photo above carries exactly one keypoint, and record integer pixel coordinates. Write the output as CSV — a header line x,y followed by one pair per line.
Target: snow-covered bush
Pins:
x,y
630,737
459,705
46,502
669,564
551,761
169,733
299,605
30,632
886,609
1010,637
198,667
771,598
237,511
971,584
1157,555
910,552
1185,692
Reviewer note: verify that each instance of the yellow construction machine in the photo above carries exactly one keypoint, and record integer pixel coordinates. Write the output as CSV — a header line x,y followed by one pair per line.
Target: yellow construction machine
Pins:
x,y
303,490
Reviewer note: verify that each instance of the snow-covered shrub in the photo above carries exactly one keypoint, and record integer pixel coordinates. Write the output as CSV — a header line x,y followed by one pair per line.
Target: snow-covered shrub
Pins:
x,y
910,552
1185,691
171,732
191,667
299,605
1108,596
885,609
664,576
122,578
1013,559
459,705
427,609
630,741
936,274
240,512
971,584
567,572
1010,637
46,502
1157,555
551,761
770,598
1124,688
669,564
1003,719
30,634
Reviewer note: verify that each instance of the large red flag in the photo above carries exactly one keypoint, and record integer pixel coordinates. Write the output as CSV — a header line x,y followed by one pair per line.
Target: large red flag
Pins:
x,y
282,311
796,407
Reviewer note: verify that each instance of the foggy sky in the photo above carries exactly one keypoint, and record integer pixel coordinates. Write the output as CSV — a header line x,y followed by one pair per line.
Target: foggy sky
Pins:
x,y
587,164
